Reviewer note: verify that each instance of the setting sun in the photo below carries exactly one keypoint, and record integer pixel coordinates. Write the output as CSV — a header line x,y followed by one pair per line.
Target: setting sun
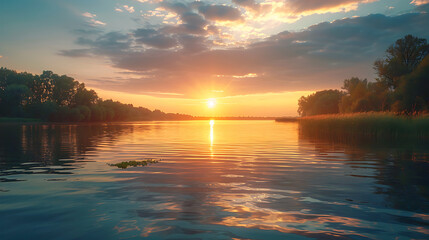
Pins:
x,y
211,103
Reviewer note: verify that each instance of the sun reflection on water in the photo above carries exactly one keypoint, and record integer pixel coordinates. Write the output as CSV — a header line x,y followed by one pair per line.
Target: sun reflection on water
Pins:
x,y
212,122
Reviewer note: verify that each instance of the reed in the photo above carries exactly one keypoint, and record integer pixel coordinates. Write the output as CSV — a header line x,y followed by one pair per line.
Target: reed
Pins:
x,y
374,126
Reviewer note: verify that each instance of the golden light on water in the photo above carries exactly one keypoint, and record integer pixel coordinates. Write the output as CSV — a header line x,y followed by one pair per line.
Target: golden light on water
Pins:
x,y
212,122
211,103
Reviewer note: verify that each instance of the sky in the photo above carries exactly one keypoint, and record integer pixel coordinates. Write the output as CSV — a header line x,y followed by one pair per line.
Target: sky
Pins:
x,y
253,58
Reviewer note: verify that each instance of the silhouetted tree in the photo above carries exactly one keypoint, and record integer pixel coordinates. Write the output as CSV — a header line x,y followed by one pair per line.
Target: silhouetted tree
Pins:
x,y
412,93
322,102
364,96
60,98
401,58
84,96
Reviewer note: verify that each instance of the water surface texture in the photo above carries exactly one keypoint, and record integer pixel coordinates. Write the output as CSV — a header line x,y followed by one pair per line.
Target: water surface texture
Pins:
x,y
215,180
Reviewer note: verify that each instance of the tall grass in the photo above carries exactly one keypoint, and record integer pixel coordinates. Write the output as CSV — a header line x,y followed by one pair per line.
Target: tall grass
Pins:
x,y
374,126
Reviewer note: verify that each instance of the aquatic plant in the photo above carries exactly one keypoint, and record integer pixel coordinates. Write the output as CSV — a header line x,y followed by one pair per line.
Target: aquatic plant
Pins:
x,y
142,163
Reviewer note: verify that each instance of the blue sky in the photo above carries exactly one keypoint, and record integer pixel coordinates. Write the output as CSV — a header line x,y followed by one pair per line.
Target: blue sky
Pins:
x,y
203,49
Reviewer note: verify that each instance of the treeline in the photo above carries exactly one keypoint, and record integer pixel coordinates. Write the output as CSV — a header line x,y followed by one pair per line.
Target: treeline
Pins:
x,y
51,97
402,85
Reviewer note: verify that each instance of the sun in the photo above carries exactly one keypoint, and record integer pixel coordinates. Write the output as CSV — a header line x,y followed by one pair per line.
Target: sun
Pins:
x,y
211,103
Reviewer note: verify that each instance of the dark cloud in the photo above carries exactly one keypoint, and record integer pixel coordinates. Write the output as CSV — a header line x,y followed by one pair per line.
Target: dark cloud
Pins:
x,y
176,7
319,57
193,23
193,44
111,43
220,13
153,38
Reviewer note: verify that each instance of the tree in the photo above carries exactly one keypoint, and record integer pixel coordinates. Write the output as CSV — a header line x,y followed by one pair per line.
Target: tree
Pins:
x,y
412,94
321,102
63,89
84,96
401,58
51,97
364,96
12,99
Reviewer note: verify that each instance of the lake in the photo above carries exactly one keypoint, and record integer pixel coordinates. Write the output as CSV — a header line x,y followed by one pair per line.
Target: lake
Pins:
x,y
214,180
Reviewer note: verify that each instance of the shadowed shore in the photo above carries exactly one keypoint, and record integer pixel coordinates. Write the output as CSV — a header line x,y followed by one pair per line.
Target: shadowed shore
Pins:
x,y
372,126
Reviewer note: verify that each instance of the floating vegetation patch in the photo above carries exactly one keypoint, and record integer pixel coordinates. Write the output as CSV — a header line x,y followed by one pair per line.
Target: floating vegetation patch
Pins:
x,y
142,163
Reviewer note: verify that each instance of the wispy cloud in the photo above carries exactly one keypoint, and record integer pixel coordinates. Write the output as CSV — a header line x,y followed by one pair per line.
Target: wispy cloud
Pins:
x,y
129,9
89,15
91,19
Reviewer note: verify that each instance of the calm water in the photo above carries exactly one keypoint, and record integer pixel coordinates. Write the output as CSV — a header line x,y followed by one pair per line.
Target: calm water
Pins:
x,y
215,180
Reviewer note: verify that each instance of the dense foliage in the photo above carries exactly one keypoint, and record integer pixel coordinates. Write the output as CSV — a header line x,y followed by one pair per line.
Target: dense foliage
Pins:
x,y
322,102
52,97
402,85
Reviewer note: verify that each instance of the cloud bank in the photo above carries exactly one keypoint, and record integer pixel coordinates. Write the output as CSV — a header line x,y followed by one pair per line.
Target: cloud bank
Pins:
x,y
186,57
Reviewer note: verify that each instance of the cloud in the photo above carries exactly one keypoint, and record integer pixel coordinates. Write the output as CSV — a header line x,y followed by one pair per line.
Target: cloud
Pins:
x,y
307,7
253,6
220,13
89,15
177,7
318,57
129,9
192,23
293,10
109,44
91,19
419,2
152,38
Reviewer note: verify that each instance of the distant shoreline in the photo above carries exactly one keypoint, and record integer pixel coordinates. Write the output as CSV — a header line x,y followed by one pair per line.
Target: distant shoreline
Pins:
x,y
35,120
287,119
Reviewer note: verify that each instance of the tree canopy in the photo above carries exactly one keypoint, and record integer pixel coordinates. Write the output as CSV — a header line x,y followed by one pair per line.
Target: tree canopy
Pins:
x,y
402,85
401,58
52,97
322,102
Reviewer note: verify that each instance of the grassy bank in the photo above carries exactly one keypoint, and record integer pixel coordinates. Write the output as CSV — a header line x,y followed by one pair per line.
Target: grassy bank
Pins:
x,y
374,126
